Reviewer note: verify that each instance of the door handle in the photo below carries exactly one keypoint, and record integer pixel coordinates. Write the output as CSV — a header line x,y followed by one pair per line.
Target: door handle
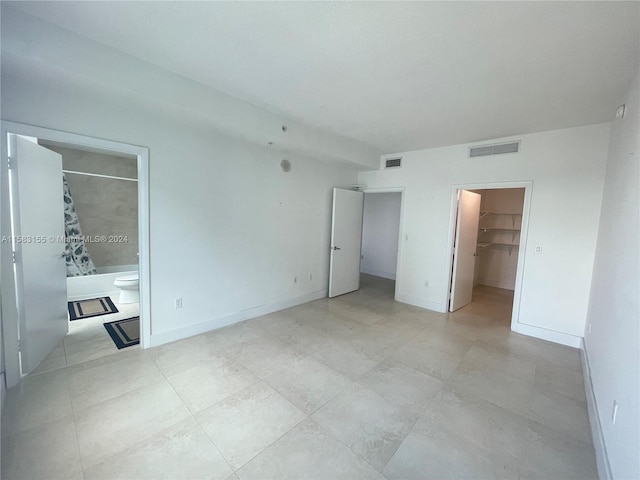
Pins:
x,y
475,254
336,248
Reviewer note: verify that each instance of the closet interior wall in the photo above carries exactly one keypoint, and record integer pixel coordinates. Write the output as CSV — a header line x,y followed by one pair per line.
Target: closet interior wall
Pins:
x,y
499,237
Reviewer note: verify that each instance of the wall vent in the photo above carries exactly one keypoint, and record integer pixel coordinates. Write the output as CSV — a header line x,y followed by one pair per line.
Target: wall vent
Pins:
x,y
498,148
393,162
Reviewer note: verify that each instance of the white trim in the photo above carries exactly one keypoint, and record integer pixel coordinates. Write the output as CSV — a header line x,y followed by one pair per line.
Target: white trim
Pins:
x,y
203,327
10,332
528,188
549,335
602,459
422,303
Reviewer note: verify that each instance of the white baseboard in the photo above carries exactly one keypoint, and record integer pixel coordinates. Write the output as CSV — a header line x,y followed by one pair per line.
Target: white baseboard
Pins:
x,y
3,391
497,283
602,459
378,273
549,335
421,302
198,328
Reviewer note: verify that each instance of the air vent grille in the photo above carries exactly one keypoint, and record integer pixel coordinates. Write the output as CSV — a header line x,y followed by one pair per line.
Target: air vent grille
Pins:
x,y
484,150
393,162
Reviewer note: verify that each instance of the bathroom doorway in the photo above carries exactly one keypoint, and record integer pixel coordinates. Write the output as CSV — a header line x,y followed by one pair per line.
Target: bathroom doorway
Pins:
x,y
101,209
138,158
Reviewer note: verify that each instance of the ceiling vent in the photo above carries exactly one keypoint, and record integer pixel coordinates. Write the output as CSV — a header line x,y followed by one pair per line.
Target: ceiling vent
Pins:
x,y
484,150
393,162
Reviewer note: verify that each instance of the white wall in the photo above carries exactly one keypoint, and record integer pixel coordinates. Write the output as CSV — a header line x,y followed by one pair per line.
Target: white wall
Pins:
x,y
613,344
228,228
380,226
497,265
567,170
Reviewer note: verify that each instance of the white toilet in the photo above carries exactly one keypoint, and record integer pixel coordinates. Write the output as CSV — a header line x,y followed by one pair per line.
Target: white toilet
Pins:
x,y
128,285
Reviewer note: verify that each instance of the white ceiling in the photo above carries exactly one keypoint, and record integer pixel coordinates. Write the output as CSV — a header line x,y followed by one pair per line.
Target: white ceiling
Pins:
x,y
397,76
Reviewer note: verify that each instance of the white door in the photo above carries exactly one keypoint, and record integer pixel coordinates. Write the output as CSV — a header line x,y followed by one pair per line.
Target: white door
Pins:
x,y
38,222
346,240
464,249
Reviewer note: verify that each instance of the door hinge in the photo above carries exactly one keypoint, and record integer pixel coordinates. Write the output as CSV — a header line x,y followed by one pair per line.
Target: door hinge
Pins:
x,y
19,345
14,257
11,163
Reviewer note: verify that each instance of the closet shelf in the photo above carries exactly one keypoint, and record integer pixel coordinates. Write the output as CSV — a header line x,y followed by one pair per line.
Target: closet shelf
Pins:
x,y
490,244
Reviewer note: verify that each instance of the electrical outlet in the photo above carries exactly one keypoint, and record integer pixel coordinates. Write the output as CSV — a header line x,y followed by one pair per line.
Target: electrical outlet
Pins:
x,y
538,248
177,303
426,283
310,277
614,413
295,279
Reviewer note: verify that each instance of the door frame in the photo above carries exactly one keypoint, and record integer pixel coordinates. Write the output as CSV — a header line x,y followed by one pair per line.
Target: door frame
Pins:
x,y
401,191
528,191
9,313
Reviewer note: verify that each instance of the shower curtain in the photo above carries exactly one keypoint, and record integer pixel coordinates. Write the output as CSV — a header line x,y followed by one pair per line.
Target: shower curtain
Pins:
x,y
78,259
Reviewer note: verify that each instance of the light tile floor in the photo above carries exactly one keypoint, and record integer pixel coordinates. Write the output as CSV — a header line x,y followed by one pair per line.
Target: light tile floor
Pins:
x,y
87,339
354,387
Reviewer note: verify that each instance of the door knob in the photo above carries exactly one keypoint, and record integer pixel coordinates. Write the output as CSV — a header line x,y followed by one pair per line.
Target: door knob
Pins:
x,y
336,248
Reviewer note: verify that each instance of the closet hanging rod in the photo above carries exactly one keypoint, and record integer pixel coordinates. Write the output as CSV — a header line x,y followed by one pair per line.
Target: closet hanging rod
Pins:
x,y
101,176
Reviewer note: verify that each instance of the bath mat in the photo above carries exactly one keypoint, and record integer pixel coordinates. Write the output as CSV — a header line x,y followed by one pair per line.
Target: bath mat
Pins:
x,y
124,333
91,308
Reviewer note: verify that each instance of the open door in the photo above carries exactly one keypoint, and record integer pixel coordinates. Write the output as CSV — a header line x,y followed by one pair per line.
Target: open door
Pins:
x,y
40,271
464,249
346,240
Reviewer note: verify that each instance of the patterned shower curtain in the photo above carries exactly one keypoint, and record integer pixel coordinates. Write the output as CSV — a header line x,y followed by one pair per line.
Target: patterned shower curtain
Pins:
x,y
78,259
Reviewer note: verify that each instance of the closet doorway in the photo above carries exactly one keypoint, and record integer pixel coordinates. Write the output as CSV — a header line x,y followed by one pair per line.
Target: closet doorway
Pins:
x,y
381,227
487,248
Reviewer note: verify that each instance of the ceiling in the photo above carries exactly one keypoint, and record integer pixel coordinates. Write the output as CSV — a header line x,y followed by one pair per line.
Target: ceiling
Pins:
x,y
396,76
